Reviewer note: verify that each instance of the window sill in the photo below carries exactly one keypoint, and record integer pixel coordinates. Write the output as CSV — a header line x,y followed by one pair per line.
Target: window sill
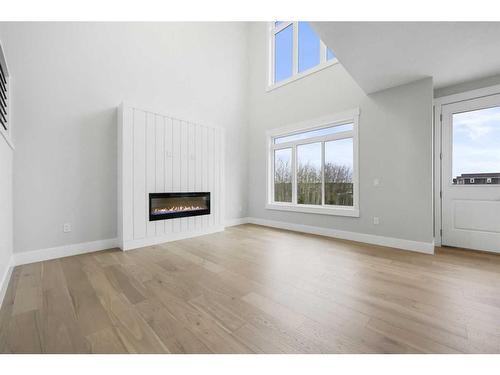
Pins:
x,y
312,209
303,74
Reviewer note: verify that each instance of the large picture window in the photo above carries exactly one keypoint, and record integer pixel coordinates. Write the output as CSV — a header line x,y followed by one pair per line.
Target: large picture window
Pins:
x,y
296,51
313,167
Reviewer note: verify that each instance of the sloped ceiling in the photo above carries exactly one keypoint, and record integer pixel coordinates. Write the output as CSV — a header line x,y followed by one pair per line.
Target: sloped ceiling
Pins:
x,y
381,55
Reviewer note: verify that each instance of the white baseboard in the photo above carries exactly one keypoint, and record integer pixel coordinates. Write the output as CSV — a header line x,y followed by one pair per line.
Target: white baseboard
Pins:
x,y
88,247
421,247
234,222
150,241
63,251
5,278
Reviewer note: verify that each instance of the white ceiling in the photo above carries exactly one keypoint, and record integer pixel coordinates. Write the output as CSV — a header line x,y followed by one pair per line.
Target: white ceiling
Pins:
x,y
380,55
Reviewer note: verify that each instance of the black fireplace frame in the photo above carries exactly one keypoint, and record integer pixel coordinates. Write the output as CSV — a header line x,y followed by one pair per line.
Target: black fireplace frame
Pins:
x,y
179,214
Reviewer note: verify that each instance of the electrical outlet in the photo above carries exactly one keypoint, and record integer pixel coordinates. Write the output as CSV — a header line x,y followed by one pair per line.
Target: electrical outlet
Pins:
x,y
376,182
376,220
67,228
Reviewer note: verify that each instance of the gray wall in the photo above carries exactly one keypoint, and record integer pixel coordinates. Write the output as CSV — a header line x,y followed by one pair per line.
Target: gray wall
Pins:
x,y
395,146
467,86
69,79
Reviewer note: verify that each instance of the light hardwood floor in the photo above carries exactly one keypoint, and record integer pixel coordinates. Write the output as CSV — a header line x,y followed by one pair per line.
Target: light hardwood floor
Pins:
x,y
253,289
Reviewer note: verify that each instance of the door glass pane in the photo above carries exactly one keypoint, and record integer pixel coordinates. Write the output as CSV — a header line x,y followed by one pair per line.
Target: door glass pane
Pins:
x,y
309,47
476,147
338,172
283,54
314,133
309,173
283,175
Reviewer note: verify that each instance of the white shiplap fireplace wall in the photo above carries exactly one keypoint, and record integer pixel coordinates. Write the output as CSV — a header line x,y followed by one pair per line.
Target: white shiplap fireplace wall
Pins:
x,y
158,153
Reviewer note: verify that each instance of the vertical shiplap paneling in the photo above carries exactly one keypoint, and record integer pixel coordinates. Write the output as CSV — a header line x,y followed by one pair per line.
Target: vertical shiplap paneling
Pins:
x,y
150,169
160,165
198,169
222,178
176,171
217,174
162,154
205,170
191,167
127,166
211,174
184,166
169,164
139,166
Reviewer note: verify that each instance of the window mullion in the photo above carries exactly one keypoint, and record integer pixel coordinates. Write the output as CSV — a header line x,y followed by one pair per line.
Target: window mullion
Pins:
x,y
294,174
295,63
273,175
323,199
272,57
322,52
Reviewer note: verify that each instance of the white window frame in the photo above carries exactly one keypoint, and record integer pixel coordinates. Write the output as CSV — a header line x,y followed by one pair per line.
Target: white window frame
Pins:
x,y
348,117
7,134
323,62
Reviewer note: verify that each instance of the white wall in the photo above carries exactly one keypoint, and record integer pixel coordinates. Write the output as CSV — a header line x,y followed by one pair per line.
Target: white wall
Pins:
x,y
69,79
395,145
6,155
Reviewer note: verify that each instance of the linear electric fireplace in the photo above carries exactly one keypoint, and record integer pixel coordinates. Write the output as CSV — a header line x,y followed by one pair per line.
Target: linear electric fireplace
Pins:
x,y
164,206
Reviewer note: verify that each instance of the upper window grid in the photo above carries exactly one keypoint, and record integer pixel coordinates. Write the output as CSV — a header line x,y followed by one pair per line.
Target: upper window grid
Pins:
x,y
298,68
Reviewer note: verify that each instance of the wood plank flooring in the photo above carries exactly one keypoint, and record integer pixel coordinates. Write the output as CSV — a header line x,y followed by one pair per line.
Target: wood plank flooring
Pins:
x,y
254,289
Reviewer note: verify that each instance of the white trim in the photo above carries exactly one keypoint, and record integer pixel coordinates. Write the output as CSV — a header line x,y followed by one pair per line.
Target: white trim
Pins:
x,y
295,50
143,242
63,251
4,281
437,175
314,209
297,76
321,138
438,146
417,246
235,222
339,118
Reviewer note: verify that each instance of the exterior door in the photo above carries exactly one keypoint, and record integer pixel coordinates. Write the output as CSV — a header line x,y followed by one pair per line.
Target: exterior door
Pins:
x,y
471,174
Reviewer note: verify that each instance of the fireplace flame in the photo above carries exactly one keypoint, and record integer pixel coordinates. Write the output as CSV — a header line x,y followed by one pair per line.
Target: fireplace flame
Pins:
x,y
169,210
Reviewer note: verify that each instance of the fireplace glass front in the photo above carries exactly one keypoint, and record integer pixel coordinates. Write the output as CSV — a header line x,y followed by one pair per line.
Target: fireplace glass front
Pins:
x,y
164,206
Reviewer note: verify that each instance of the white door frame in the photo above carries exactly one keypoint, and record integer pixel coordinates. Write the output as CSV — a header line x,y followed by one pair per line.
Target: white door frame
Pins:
x,y
438,129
